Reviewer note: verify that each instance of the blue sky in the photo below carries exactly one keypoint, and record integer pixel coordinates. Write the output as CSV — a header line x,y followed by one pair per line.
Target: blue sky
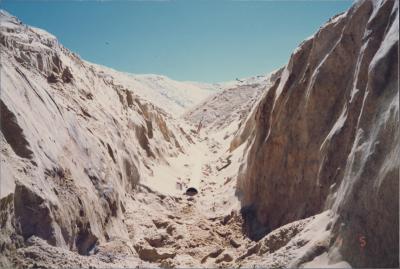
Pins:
x,y
207,41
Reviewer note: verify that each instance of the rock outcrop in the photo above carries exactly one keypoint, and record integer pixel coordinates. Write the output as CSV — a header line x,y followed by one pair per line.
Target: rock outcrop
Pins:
x,y
326,135
74,144
230,107
89,165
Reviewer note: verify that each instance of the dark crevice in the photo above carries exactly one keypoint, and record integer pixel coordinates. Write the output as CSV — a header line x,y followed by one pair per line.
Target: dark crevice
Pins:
x,y
110,151
13,133
85,240
30,85
254,229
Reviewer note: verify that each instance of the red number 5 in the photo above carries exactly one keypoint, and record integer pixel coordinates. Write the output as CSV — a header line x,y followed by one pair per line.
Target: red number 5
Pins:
x,y
362,240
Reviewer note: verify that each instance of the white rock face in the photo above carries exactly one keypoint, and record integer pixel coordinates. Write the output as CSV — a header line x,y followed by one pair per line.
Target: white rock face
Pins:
x,y
75,140
173,96
231,105
298,168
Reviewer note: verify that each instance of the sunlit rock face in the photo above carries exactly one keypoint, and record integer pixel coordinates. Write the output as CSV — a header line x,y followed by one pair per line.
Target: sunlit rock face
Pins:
x,y
74,143
326,135
318,183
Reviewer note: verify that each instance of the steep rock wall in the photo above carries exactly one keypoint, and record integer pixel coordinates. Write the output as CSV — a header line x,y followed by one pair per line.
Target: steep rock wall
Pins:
x,y
326,135
74,143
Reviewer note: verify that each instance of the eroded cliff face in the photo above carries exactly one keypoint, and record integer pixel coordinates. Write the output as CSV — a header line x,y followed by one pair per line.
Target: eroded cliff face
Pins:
x,y
74,144
232,104
326,136
318,184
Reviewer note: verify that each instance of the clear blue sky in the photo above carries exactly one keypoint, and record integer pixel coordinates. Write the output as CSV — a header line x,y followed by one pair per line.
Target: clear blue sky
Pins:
x,y
186,40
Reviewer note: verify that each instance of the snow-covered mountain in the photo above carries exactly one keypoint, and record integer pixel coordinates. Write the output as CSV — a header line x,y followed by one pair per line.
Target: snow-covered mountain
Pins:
x,y
171,95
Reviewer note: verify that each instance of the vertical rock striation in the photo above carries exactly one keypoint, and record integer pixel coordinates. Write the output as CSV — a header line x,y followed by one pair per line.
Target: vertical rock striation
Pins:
x,y
326,135
75,142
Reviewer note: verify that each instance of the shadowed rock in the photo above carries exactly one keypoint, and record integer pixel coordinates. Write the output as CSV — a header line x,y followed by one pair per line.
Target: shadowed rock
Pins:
x,y
326,135
13,133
